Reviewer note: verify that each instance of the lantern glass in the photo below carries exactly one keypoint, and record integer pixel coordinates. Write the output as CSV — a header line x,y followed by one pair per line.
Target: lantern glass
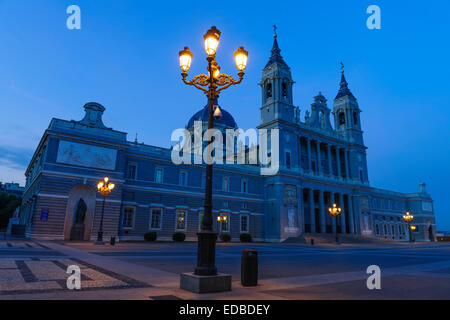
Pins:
x,y
211,39
240,57
185,59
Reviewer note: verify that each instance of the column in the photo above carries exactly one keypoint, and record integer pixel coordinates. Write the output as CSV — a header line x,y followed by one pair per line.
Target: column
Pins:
x,y
300,154
319,158
351,221
343,213
301,210
338,160
308,143
322,218
333,220
346,165
330,162
311,210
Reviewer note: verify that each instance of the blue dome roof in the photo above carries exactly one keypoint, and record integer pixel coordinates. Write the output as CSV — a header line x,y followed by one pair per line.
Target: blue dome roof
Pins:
x,y
227,119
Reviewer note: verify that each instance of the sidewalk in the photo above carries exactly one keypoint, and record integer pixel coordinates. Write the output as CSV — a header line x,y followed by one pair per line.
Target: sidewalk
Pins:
x,y
128,280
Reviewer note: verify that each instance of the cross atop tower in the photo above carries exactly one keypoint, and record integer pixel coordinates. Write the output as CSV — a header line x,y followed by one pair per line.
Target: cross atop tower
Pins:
x,y
275,30
342,67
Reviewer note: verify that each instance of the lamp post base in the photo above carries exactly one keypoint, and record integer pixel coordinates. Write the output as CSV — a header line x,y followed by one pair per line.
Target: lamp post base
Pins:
x,y
206,254
100,239
205,284
337,239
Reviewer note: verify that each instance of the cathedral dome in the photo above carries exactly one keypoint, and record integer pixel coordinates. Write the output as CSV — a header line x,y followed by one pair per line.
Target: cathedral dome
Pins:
x,y
227,119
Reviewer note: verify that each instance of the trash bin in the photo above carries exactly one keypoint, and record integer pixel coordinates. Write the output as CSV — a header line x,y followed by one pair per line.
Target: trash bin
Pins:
x,y
113,241
249,268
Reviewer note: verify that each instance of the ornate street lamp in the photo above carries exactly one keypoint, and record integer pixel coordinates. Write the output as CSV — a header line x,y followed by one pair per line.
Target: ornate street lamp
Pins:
x,y
221,218
211,84
334,212
104,187
408,218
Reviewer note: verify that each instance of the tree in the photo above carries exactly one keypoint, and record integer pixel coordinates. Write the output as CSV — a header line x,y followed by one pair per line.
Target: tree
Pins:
x,y
8,203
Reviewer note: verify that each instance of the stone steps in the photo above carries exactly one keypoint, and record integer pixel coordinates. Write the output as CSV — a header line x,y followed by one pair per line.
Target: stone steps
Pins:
x,y
330,238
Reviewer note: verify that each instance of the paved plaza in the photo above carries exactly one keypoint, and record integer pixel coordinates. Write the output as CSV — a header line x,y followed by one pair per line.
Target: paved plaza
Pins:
x,y
38,270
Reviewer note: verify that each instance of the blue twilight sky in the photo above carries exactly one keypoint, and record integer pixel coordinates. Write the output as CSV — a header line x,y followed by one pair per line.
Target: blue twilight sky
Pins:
x,y
126,57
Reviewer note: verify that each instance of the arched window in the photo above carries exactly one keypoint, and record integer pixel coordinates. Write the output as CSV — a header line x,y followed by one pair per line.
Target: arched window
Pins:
x,y
355,118
284,88
268,90
341,118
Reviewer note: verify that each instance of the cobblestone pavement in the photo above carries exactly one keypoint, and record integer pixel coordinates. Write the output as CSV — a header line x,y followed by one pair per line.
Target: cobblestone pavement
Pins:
x,y
28,267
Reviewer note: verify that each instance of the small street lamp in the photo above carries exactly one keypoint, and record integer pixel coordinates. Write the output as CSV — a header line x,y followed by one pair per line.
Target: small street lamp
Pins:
x,y
408,217
334,212
211,84
104,187
413,228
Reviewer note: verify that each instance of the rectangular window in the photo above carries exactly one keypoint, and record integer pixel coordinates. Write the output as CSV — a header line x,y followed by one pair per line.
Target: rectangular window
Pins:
x,y
244,223
131,172
288,160
225,184
156,219
128,218
181,220
183,178
159,175
244,186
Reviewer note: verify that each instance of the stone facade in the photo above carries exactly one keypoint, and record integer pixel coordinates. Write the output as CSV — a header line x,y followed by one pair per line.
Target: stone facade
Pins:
x,y
320,164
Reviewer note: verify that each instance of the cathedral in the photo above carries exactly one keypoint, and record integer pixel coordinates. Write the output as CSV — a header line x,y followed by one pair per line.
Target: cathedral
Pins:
x,y
322,162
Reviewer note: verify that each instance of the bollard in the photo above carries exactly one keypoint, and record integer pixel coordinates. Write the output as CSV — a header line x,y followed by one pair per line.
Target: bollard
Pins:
x,y
113,241
249,268
312,242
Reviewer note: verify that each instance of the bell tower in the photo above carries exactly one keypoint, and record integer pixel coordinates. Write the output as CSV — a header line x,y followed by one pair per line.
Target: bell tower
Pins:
x,y
276,88
347,123
347,113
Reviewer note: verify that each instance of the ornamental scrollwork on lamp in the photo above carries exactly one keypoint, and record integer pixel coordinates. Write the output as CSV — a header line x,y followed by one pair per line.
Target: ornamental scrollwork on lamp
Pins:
x,y
200,81
224,81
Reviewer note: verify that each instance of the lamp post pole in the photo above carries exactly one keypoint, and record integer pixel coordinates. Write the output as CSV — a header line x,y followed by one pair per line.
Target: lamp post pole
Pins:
x,y
211,84
336,231
409,230
408,218
334,212
100,230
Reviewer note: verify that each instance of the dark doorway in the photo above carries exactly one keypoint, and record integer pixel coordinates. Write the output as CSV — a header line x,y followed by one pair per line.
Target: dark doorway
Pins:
x,y
78,227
